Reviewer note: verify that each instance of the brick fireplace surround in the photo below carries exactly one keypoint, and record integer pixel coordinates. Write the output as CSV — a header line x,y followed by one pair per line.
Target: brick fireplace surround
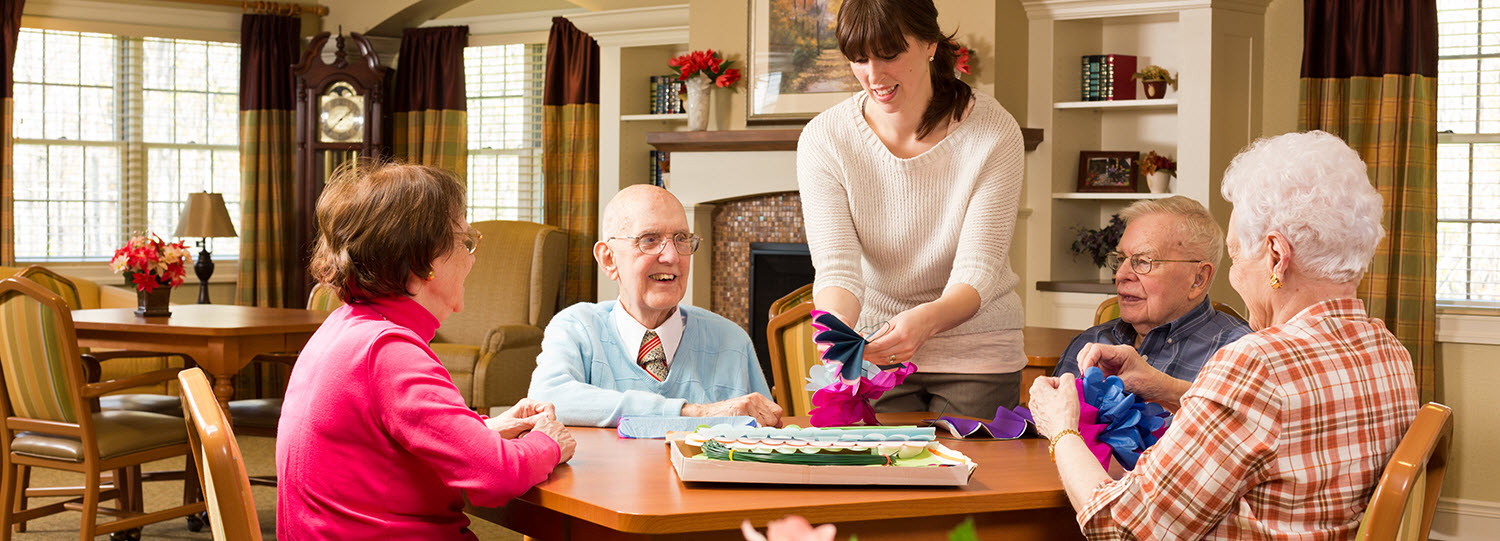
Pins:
x,y
775,217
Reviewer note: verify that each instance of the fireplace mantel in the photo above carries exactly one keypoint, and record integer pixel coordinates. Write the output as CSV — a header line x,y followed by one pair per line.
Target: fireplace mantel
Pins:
x,y
758,140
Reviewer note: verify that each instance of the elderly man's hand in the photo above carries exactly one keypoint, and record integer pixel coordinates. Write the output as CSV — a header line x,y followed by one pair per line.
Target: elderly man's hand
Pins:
x,y
1138,376
527,408
1054,404
791,528
756,405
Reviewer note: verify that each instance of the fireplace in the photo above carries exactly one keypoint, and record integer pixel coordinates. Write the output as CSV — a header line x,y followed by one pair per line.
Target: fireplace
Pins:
x,y
776,269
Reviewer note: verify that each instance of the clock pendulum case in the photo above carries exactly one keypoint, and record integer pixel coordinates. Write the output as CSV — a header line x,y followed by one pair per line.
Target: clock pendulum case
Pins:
x,y
342,115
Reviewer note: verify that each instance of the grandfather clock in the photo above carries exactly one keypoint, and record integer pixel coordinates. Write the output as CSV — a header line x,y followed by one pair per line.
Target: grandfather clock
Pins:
x,y
342,115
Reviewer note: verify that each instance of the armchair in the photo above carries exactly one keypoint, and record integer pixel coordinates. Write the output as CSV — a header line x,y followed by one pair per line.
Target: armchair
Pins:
x,y
490,348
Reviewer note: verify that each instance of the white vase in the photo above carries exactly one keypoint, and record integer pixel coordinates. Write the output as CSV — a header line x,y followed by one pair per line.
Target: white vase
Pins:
x,y
1159,181
698,87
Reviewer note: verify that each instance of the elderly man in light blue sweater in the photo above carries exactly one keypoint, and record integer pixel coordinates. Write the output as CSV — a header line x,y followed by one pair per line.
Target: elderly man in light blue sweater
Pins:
x,y
645,354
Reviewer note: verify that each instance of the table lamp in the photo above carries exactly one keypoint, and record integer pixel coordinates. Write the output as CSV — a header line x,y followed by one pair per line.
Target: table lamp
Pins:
x,y
204,216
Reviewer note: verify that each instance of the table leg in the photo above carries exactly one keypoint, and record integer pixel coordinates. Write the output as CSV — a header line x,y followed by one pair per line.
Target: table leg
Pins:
x,y
224,390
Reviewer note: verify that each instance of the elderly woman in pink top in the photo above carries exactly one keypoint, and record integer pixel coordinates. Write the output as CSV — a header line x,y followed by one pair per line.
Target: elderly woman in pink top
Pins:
x,y
374,440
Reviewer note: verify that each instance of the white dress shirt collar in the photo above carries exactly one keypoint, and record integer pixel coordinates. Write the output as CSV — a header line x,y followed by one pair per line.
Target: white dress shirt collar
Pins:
x,y
631,332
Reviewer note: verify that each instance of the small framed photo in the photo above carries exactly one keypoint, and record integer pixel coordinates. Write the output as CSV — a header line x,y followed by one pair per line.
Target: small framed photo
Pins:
x,y
1100,171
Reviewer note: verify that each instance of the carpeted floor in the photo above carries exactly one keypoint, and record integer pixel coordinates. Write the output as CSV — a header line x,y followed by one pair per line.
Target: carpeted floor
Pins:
x,y
260,459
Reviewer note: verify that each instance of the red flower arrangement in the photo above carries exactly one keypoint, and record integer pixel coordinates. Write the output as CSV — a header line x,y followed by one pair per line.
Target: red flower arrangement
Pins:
x,y
1154,162
962,65
709,63
150,262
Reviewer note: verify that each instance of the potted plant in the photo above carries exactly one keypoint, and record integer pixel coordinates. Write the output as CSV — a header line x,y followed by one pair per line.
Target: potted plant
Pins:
x,y
702,70
1155,79
1158,170
1098,243
154,267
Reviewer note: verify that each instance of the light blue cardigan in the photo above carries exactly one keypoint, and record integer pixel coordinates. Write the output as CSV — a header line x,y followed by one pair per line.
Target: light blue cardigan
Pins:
x,y
585,372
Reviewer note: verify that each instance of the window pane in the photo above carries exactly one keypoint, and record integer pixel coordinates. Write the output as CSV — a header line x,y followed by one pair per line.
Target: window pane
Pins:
x,y
1468,173
79,99
504,84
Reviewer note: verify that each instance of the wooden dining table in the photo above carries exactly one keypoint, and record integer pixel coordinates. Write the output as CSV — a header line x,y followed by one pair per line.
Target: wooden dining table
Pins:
x,y
221,338
618,489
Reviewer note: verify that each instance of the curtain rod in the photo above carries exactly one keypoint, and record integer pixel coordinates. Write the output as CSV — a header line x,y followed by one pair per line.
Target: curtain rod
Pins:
x,y
274,8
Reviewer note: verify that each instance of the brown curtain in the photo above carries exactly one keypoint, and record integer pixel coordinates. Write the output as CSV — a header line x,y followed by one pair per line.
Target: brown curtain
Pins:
x,y
431,108
269,47
10,27
570,151
1369,75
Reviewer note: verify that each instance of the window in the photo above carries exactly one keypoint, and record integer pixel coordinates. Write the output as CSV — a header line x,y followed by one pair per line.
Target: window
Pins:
x,y
112,133
1468,153
504,87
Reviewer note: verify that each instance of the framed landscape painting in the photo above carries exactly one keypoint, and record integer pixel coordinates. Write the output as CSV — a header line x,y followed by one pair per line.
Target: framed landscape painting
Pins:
x,y
795,67
1108,171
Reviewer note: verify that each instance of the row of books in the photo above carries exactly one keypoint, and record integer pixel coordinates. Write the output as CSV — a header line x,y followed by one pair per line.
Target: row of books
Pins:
x,y
665,94
661,168
1108,77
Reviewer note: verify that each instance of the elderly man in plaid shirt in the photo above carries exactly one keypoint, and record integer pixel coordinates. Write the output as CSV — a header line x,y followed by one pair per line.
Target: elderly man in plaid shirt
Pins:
x,y
1285,432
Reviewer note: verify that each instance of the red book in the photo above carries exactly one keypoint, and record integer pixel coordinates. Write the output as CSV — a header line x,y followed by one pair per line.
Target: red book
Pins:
x,y
1119,76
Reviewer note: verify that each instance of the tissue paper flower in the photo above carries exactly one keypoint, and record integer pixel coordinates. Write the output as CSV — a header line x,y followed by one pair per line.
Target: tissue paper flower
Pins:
x,y
846,348
1116,422
842,404
1008,424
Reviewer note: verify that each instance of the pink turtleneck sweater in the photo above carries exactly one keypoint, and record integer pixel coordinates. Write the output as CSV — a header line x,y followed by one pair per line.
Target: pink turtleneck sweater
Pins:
x,y
375,442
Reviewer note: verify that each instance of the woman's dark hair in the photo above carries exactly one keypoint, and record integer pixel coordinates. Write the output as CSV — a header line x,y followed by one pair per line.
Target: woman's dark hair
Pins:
x,y
381,223
879,28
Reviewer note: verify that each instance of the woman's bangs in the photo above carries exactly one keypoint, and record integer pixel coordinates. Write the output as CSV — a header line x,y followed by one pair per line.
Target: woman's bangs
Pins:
x,y
863,34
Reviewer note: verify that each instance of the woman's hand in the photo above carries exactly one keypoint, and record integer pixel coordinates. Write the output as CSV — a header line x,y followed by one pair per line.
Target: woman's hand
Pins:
x,y
512,427
559,433
1054,404
529,408
908,331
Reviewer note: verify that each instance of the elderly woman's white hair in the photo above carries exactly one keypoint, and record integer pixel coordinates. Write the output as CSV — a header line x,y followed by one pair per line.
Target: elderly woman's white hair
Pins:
x,y
1316,191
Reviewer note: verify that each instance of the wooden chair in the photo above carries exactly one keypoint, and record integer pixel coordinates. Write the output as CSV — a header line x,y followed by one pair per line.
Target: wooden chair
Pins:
x,y
221,467
152,402
50,418
1110,309
1407,495
789,339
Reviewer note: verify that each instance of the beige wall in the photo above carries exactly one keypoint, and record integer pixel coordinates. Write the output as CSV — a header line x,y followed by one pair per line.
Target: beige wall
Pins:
x,y
1469,377
1283,67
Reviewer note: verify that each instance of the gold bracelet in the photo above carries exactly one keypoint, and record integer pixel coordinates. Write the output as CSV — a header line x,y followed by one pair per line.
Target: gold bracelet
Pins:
x,y
1052,447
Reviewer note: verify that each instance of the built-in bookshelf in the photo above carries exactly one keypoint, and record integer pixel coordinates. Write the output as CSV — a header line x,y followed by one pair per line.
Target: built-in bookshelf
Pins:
x,y
1213,47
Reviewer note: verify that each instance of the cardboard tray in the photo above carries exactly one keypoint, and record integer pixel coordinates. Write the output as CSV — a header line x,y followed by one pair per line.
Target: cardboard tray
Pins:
x,y
690,469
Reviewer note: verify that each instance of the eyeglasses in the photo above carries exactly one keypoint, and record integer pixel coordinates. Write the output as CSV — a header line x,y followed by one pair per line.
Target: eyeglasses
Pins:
x,y
655,243
471,238
1139,264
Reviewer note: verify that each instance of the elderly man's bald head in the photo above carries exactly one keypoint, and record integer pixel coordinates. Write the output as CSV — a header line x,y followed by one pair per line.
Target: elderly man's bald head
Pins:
x,y
622,213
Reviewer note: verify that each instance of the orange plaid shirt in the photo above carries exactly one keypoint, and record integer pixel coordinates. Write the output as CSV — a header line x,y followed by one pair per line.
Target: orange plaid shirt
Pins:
x,y
1283,436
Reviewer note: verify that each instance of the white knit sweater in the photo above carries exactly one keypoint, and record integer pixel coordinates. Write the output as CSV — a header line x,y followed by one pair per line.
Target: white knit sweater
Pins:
x,y
895,232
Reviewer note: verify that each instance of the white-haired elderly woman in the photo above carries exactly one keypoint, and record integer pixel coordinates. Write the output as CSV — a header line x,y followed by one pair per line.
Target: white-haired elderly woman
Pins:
x,y
1286,431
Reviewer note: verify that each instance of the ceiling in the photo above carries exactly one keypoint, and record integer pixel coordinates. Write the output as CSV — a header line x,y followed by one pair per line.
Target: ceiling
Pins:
x,y
478,8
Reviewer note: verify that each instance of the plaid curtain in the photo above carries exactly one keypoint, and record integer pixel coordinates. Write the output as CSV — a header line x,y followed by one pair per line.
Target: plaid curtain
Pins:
x,y
269,48
10,28
1369,75
431,124
570,151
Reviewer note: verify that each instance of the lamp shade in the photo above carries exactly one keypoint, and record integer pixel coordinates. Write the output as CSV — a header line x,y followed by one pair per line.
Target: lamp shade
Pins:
x,y
205,216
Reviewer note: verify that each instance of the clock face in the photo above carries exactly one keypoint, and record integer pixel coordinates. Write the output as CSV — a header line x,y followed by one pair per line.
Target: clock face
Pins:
x,y
341,116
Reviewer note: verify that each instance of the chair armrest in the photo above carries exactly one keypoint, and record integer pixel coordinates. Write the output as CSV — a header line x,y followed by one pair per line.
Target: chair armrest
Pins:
x,y
510,336
94,390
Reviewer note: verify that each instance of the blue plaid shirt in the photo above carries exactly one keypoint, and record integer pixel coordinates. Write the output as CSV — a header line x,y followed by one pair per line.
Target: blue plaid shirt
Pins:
x,y
1178,348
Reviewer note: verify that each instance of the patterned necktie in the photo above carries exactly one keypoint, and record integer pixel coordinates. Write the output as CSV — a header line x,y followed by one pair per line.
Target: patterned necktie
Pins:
x,y
652,358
